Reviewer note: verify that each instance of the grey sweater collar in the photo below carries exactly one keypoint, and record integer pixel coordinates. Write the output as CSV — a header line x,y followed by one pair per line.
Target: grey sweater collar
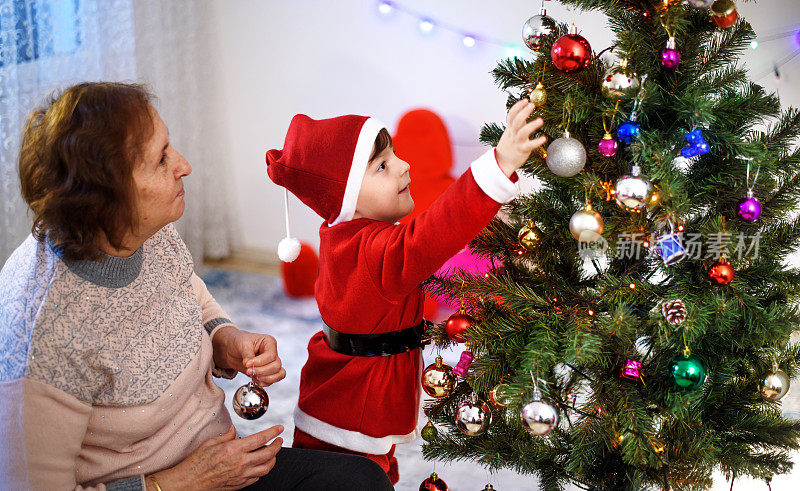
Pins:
x,y
108,271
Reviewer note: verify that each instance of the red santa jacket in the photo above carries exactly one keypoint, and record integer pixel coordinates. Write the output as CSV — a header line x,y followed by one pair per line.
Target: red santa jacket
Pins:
x,y
368,282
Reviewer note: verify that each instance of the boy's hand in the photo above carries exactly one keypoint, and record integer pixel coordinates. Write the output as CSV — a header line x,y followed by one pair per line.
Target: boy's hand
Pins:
x,y
515,145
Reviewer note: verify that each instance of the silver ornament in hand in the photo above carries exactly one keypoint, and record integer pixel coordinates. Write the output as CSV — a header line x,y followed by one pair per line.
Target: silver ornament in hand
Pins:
x,y
250,401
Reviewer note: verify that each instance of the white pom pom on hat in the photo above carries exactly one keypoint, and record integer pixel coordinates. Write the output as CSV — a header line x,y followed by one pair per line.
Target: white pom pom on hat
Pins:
x,y
288,249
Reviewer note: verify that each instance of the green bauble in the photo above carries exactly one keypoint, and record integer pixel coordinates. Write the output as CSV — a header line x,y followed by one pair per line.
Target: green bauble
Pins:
x,y
688,371
429,432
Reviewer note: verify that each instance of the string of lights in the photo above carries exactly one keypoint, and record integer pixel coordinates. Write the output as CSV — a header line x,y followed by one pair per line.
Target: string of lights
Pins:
x,y
427,25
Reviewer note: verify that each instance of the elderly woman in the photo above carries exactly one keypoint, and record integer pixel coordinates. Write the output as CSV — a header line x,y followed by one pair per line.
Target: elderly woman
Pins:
x,y
109,341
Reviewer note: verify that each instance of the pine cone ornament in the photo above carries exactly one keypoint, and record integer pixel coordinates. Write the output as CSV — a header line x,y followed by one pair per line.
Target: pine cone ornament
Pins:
x,y
674,311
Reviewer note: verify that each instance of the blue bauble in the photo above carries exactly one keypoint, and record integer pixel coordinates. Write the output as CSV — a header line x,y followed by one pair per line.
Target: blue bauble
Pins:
x,y
628,131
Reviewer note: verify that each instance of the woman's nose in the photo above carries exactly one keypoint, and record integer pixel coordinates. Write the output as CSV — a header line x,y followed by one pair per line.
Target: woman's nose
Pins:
x,y
183,169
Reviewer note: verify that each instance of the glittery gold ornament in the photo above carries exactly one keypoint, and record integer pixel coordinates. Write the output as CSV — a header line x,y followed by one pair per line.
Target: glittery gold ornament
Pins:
x,y
538,95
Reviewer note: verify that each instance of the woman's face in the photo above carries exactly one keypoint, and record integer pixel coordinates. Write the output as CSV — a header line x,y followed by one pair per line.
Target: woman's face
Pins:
x,y
158,185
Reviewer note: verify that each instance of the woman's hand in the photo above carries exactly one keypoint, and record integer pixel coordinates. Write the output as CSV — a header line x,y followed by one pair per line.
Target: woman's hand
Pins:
x,y
255,355
224,462
515,145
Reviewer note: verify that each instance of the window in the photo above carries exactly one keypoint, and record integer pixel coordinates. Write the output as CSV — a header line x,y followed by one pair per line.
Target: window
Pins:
x,y
41,28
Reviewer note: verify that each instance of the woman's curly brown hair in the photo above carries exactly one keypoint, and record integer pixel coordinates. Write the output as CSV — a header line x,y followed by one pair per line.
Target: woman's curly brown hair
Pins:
x,y
76,164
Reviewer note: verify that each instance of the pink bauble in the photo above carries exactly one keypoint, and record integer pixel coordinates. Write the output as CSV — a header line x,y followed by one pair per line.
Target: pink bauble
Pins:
x,y
670,58
608,146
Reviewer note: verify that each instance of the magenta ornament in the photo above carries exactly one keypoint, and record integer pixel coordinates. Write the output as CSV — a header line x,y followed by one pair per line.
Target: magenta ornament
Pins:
x,y
462,367
749,208
608,145
670,57
631,370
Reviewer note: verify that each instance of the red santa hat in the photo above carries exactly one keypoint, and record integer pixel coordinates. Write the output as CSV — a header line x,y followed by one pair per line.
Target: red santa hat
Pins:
x,y
323,163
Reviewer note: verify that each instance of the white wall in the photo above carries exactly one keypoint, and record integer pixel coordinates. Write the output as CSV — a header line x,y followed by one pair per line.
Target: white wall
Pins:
x,y
326,58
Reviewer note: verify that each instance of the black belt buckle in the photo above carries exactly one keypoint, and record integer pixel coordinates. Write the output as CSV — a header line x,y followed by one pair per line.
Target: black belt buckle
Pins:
x,y
423,332
381,344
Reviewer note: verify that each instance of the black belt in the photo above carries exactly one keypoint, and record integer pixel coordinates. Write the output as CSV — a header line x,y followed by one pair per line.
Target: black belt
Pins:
x,y
383,344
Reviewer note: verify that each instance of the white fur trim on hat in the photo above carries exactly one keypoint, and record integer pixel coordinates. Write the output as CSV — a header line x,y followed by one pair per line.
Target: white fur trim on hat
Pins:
x,y
364,145
491,179
349,439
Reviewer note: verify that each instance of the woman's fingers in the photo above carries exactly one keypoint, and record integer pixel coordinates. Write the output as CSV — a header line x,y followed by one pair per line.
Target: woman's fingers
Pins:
x,y
263,470
271,379
268,369
264,455
258,440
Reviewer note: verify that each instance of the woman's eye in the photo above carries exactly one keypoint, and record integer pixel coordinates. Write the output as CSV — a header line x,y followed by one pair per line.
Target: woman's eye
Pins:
x,y
382,166
163,159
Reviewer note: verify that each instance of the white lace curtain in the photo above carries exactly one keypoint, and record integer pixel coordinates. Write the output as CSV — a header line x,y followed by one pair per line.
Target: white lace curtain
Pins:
x,y
49,44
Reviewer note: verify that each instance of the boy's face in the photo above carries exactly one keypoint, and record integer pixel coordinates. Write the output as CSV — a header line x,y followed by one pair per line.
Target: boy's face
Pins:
x,y
384,193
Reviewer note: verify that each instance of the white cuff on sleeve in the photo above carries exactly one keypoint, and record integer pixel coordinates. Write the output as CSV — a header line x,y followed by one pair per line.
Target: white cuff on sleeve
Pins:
x,y
492,180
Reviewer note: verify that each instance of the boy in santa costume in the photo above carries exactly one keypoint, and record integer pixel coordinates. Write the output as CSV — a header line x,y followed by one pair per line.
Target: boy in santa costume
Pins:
x,y
360,388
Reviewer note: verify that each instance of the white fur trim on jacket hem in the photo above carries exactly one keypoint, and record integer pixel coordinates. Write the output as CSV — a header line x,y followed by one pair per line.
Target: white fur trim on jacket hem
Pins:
x,y
366,140
491,179
349,439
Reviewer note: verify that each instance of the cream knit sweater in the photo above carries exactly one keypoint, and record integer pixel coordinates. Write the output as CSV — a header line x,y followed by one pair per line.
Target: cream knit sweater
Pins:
x,y
105,366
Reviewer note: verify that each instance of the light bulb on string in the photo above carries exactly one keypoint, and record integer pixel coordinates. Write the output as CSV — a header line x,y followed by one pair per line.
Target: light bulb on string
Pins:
x,y
385,8
426,25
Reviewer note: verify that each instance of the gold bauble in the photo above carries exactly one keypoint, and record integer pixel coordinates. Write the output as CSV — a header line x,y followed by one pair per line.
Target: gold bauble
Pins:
x,y
586,225
538,95
529,236
438,379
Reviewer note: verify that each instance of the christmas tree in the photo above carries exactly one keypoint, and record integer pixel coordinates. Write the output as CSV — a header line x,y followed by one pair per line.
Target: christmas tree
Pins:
x,y
634,330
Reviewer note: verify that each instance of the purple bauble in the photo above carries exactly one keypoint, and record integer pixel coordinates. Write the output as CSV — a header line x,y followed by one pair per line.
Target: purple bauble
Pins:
x,y
670,58
607,146
749,209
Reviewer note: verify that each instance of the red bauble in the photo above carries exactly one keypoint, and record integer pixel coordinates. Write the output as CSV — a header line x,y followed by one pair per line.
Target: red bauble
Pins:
x,y
571,53
721,272
724,13
433,483
457,324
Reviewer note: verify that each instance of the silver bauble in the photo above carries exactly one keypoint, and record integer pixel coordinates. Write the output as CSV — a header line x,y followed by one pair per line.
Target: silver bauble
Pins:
x,y
701,4
775,385
536,28
538,417
618,82
473,418
632,191
586,225
566,156
250,401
